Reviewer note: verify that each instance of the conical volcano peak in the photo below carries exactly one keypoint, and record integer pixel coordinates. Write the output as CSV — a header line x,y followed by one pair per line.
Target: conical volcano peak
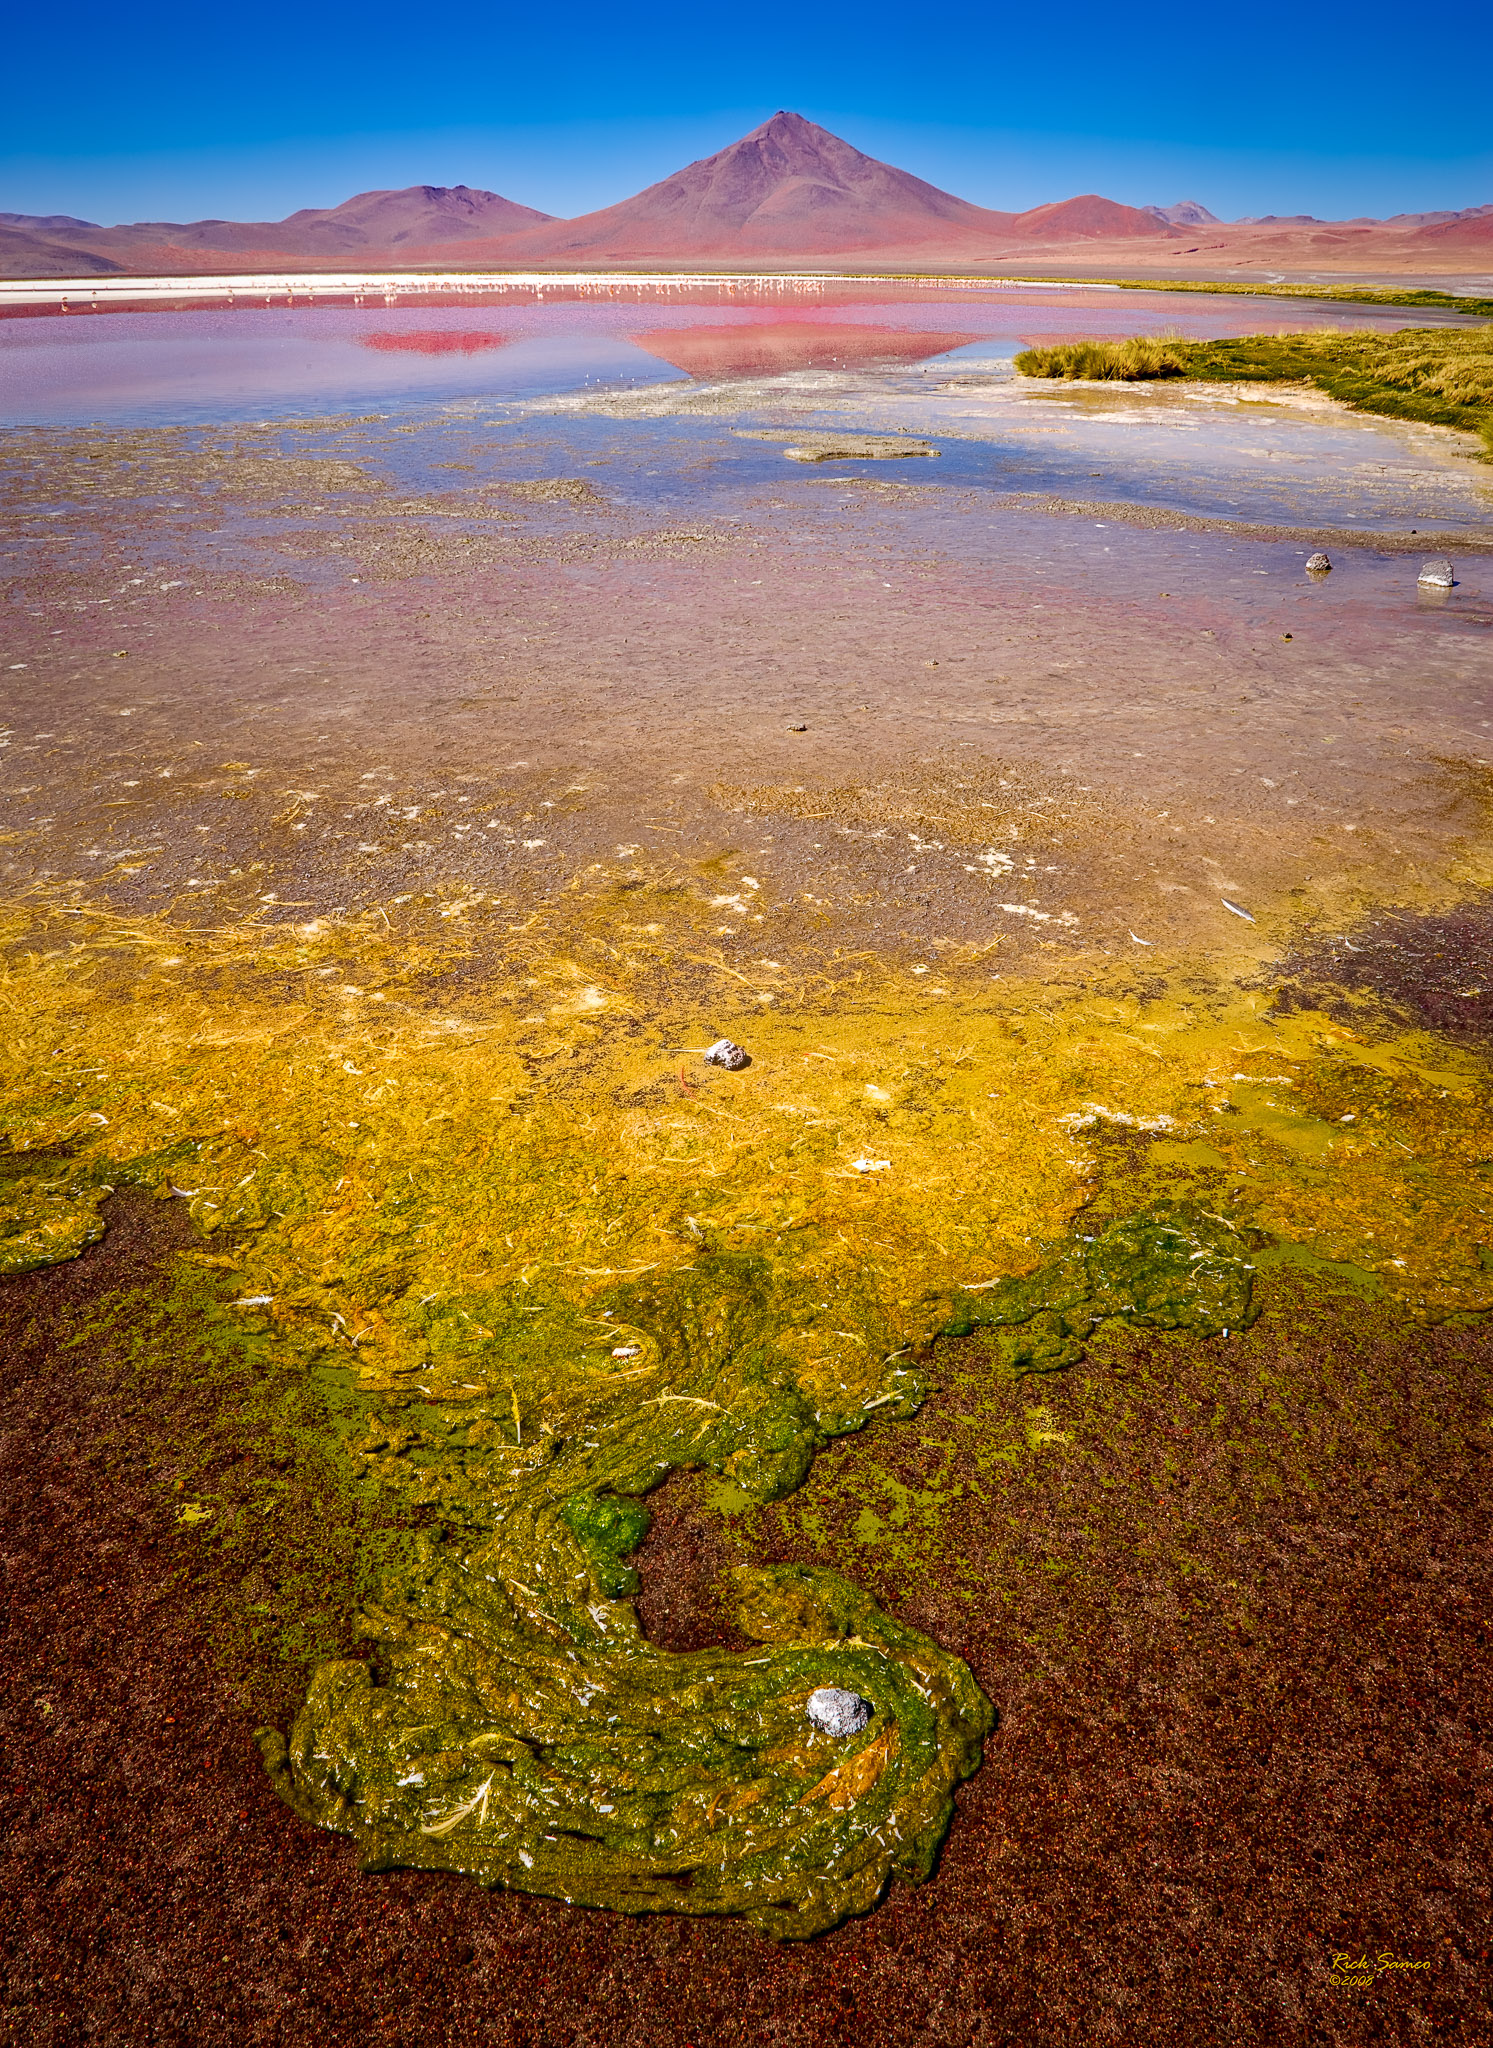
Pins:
x,y
792,131
788,187
789,146
786,122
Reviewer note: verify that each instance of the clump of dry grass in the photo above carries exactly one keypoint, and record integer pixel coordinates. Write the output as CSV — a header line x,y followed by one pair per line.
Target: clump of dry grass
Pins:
x,y
1456,365
1142,356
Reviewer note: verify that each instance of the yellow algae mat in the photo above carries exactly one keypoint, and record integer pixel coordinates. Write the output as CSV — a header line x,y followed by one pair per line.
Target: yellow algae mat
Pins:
x,y
482,1173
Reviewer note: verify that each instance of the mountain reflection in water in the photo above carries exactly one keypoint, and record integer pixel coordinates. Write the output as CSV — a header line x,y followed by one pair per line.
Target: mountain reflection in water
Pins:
x,y
770,348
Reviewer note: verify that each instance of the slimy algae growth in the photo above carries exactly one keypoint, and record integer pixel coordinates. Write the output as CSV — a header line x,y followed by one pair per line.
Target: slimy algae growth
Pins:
x,y
552,1259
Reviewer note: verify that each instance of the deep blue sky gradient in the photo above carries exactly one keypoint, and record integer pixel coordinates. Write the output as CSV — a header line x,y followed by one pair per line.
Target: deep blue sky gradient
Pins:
x,y
173,111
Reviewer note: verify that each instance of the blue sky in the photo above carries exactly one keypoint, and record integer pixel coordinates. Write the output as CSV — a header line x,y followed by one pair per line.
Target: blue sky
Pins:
x,y
169,111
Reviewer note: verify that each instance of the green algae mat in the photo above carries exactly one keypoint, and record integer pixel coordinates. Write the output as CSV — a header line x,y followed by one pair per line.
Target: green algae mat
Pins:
x,y
479,1178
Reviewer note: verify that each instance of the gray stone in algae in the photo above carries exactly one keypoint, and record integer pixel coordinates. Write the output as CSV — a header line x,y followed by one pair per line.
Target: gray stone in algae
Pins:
x,y
837,1711
724,1054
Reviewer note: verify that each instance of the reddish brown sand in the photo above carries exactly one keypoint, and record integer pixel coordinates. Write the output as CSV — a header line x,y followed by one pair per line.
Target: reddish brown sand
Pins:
x,y
1185,1814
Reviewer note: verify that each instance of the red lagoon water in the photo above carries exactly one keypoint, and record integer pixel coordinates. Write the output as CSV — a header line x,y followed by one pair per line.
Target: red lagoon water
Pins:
x,y
434,341
214,363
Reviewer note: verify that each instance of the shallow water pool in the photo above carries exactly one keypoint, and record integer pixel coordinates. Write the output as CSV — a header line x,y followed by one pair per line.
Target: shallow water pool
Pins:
x,y
668,377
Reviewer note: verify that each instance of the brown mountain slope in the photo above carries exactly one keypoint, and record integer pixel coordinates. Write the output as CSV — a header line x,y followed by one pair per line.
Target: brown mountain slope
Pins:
x,y
30,252
371,226
1470,231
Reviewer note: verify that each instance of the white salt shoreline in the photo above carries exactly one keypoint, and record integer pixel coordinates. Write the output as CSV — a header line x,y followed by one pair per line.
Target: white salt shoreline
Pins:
x,y
100,294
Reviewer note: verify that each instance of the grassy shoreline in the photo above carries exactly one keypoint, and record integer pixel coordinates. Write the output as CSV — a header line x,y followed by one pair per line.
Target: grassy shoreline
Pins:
x,y
1347,294
1438,376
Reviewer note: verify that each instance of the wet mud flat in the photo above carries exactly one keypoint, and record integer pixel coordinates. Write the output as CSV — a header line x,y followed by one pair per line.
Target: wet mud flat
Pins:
x,y
244,664
375,880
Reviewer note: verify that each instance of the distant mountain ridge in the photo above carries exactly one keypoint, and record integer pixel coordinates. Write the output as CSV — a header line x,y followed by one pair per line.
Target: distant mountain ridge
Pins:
x,y
376,224
1187,213
790,193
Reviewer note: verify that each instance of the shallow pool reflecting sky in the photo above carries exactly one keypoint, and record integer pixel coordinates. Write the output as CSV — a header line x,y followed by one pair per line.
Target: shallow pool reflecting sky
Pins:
x,y
673,378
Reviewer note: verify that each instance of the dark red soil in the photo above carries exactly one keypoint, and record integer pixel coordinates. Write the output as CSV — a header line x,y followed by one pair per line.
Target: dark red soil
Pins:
x,y
1180,1820
1432,970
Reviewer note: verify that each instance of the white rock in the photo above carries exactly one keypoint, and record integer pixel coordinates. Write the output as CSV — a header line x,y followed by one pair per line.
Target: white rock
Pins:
x,y
1438,570
1317,564
838,1712
724,1054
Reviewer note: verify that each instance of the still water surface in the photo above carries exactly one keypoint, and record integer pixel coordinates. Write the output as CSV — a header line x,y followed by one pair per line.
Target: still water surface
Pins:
x,y
664,388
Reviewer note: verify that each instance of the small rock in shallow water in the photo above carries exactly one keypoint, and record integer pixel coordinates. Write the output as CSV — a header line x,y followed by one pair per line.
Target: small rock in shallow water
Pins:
x,y
811,447
1437,570
1318,564
837,1711
724,1054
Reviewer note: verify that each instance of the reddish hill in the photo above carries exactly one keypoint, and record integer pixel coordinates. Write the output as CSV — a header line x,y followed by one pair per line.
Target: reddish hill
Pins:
x,y
1089,218
417,214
